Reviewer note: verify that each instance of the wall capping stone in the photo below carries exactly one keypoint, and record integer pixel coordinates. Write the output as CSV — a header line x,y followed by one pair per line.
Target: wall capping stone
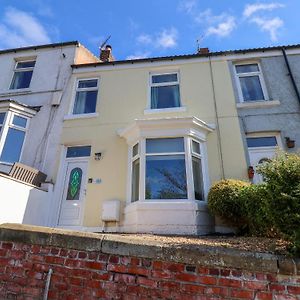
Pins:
x,y
121,245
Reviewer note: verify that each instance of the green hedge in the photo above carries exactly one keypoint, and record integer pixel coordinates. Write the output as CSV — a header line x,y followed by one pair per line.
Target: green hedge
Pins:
x,y
271,208
224,201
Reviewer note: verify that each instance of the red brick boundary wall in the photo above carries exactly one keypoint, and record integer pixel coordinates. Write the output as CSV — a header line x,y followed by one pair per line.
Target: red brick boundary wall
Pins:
x,y
103,266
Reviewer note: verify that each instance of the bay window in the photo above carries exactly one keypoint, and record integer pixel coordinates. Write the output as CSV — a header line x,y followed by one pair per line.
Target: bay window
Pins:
x,y
167,170
14,123
167,159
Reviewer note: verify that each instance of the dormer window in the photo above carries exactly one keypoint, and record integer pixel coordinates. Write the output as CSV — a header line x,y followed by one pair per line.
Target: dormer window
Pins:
x,y
22,74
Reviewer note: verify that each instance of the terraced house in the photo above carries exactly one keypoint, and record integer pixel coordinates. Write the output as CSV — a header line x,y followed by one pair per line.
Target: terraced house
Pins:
x,y
134,145
142,142
32,83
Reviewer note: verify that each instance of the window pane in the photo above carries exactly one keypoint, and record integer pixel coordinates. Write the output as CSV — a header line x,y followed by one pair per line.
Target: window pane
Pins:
x,y
19,121
21,80
198,181
135,150
79,151
87,83
166,177
195,147
74,184
165,96
25,64
266,141
164,145
135,180
164,78
2,117
251,88
13,145
247,68
85,102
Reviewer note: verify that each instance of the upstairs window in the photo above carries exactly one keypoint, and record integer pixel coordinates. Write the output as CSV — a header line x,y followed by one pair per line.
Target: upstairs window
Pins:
x,y
86,96
13,136
250,82
164,91
22,75
2,118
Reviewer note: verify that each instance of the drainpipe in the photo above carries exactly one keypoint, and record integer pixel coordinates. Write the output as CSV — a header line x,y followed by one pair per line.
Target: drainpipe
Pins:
x,y
217,119
291,74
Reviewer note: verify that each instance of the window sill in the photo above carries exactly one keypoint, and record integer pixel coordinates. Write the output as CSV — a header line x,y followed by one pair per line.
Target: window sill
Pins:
x,y
15,92
258,104
81,116
165,110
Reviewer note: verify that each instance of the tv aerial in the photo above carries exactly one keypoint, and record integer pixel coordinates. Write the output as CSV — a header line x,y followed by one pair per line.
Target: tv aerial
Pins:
x,y
105,42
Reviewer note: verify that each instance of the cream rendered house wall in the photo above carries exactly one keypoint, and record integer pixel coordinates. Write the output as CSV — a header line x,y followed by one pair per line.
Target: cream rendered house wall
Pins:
x,y
124,95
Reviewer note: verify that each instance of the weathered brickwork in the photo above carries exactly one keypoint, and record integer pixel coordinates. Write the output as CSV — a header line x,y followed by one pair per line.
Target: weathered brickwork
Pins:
x,y
81,274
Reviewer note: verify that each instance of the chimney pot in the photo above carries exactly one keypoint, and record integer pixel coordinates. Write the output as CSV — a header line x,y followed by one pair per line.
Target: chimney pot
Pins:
x,y
203,51
106,54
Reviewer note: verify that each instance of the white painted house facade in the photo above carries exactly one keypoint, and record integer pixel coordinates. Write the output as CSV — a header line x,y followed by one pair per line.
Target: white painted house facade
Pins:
x,y
32,83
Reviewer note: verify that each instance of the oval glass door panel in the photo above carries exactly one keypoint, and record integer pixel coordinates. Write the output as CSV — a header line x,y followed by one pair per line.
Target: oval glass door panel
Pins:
x,y
74,184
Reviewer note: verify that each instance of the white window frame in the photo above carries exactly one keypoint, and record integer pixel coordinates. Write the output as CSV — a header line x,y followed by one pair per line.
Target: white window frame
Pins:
x,y
248,74
16,70
77,89
262,135
171,109
8,123
188,154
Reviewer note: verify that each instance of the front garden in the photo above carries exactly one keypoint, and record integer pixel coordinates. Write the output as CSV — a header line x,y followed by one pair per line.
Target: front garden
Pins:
x,y
269,209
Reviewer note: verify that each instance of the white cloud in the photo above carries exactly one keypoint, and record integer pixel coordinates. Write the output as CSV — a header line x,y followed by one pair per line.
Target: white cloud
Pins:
x,y
167,38
269,25
138,55
19,28
187,6
251,9
144,39
220,25
222,29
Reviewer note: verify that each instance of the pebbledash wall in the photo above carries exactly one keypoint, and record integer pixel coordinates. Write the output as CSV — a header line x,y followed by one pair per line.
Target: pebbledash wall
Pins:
x,y
102,266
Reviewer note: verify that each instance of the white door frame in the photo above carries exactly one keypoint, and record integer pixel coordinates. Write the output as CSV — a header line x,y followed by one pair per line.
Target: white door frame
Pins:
x,y
53,218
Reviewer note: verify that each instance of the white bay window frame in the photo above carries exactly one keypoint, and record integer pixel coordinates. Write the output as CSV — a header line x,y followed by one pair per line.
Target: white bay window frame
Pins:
x,y
12,110
188,128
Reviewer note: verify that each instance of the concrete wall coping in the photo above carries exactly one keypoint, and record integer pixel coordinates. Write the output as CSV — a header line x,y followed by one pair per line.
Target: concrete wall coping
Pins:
x,y
208,256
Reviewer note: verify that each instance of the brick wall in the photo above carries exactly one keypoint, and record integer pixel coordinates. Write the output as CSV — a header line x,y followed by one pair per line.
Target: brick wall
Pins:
x,y
93,274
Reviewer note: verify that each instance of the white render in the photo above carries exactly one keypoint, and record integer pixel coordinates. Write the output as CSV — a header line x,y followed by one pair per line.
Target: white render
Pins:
x,y
23,203
51,75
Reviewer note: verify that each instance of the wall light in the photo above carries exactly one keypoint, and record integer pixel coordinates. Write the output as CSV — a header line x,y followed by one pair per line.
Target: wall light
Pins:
x,y
98,155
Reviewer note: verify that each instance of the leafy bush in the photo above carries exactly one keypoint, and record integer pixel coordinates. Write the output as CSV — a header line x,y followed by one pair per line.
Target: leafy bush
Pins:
x,y
282,179
271,208
256,214
225,202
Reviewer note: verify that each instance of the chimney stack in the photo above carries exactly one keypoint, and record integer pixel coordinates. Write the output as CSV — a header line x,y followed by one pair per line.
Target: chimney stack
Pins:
x,y
203,51
106,54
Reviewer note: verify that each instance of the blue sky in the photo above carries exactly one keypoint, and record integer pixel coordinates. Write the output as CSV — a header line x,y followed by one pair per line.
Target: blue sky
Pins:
x,y
150,28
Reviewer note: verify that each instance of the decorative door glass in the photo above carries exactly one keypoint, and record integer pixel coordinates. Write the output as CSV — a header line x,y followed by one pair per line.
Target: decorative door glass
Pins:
x,y
74,184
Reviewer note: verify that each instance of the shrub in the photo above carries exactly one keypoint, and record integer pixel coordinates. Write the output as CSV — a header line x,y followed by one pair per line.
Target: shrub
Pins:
x,y
282,178
225,202
256,213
